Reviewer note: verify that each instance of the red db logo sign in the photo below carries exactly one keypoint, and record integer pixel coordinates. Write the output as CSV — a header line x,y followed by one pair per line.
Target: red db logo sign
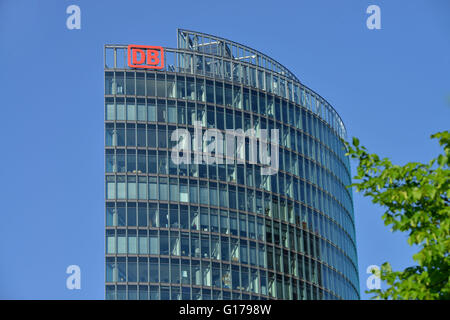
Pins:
x,y
147,57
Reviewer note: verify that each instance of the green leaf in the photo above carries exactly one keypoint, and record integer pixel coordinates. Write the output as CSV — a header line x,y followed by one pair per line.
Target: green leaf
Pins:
x,y
416,201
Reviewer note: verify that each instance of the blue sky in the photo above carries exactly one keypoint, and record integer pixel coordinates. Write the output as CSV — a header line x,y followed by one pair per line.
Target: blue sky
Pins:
x,y
390,86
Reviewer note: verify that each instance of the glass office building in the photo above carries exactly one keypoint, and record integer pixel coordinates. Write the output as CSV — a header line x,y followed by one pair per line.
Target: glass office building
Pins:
x,y
223,231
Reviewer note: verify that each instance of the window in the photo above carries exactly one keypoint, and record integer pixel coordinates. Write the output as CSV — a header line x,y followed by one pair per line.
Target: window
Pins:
x,y
215,247
210,117
190,88
151,110
120,84
194,218
209,91
219,93
164,243
143,242
181,88
184,217
162,163
132,242
174,223
223,195
203,192
110,111
131,214
220,118
214,222
246,99
185,272
152,162
224,222
162,136
110,135
228,94
121,190
171,86
163,215
174,193
233,224
204,220
131,160
181,112
130,83
200,90
254,101
172,111
110,87
131,135
153,239
195,273
205,246
242,225
122,269
141,135
143,272
160,85
131,110
184,196
111,270
195,245
140,84
154,270
132,190
174,243
121,242
193,191
206,274
120,110
110,242
185,244
225,248
110,161
244,251
161,110
111,215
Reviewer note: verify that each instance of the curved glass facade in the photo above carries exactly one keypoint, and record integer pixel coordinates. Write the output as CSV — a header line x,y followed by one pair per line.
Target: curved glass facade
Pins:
x,y
223,231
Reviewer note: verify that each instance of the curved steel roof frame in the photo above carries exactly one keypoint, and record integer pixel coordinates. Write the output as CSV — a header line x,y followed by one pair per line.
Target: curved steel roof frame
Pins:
x,y
255,57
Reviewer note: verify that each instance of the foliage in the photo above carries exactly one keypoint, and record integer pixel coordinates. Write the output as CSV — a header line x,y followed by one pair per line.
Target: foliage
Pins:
x,y
416,198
